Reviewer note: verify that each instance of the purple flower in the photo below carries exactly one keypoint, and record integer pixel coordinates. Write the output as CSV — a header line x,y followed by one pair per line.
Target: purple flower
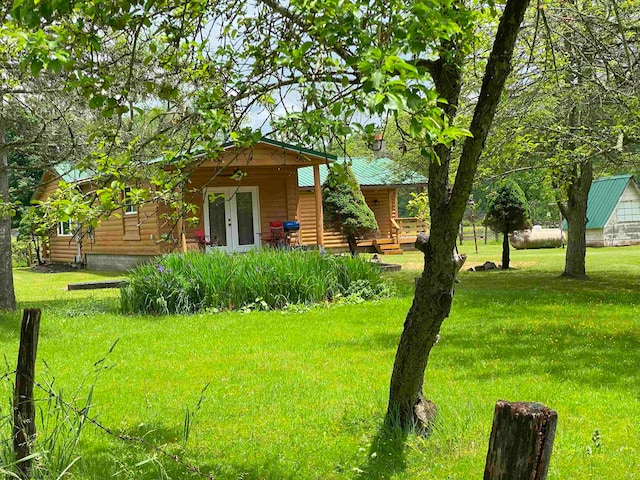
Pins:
x,y
161,268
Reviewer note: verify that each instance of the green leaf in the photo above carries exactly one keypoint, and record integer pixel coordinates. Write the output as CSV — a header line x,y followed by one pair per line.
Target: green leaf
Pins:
x,y
96,101
55,66
377,78
36,67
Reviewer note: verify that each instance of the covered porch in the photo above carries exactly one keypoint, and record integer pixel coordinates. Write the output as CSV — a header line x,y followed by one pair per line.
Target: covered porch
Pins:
x,y
381,193
241,195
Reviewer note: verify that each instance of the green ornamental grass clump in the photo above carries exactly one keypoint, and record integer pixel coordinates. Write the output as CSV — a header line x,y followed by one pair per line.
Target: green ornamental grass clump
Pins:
x,y
265,279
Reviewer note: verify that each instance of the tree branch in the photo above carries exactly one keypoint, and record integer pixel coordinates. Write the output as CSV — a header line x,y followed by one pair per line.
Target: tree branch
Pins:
x,y
275,5
496,73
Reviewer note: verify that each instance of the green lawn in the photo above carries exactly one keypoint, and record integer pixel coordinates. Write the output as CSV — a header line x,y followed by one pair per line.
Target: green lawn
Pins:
x,y
302,395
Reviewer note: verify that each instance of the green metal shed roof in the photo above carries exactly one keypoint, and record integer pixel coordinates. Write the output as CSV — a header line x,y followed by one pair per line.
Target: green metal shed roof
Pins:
x,y
603,198
369,172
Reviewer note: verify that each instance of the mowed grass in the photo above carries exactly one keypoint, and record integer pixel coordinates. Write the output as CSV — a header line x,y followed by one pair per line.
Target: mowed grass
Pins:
x,y
302,395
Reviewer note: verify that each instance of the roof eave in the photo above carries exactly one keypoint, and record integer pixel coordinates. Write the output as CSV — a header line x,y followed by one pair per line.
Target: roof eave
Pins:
x,y
286,146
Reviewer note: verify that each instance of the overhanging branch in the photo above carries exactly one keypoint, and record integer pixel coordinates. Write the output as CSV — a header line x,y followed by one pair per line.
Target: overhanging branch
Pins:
x,y
496,73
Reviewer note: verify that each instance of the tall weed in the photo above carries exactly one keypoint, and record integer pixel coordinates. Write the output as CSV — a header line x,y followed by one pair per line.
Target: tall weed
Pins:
x,y
60,422
191,282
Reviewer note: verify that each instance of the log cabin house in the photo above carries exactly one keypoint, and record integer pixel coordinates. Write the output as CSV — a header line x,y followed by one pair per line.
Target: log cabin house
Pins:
x,y
241,195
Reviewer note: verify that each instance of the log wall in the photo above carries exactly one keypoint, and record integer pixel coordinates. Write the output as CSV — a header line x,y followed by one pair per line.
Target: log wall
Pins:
x,y
62,248
386,208
277,192
149,231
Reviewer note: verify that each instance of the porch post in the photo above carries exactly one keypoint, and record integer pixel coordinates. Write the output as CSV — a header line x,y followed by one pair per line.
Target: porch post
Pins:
x,y
319,215
183,236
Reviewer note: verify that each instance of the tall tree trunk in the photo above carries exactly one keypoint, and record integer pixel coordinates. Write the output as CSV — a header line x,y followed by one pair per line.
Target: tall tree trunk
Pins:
x,y
7,294
353,245
435,288
36,245
505,250
575,212
431,305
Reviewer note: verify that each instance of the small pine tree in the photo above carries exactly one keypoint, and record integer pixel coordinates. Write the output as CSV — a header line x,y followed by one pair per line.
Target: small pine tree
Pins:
x,y
507,211
345,209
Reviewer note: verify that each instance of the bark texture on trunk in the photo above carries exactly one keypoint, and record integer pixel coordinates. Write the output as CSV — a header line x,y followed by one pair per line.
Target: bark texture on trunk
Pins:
x,y
353,245
575,212
7,294
505,251
431,305
521,441
434,290
575,256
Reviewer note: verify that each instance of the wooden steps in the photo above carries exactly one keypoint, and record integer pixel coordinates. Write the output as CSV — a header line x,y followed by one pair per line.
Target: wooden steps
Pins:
x,y
387,246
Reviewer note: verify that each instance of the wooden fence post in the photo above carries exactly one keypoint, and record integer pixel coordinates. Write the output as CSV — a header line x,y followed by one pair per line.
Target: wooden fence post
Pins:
x,y
521,441
24,410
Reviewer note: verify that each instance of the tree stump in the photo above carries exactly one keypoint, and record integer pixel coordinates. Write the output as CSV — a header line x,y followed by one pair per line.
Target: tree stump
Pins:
x,y
521,441
24,410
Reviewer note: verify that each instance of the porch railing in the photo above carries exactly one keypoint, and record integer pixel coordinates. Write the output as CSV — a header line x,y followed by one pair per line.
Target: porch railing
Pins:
x,y
407,227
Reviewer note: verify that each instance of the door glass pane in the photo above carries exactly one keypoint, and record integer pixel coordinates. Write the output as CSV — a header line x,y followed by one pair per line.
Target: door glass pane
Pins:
x,y
218,219
244,202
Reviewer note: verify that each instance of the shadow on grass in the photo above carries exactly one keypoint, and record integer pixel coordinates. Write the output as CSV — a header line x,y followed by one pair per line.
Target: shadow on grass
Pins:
x,y
10,325
75,307
72,308
386,456
545,288
120,459
132,460
96,273
567,352
378,341
270,469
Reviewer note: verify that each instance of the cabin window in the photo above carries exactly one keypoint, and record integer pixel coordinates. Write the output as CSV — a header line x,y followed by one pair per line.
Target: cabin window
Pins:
x,y
128,208
629,211
65,229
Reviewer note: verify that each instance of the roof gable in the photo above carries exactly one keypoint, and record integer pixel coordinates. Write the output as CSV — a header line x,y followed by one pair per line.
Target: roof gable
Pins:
x,y
67,172
304,155
293,148
603,198
368,172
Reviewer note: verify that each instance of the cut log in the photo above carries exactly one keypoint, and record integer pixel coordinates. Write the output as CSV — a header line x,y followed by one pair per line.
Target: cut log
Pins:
x,y
521,441
97,285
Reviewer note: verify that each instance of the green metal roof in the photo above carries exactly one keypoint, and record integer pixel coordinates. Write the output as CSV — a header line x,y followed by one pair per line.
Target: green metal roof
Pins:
x,y
295,148
267,141
70,174
369,172
603,198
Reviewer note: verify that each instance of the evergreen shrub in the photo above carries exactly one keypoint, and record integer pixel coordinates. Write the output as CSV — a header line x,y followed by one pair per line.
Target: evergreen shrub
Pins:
x,y
345,209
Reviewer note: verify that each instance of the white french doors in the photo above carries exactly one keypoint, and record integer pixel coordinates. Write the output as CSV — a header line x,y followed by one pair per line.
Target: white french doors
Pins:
x,y
232,218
